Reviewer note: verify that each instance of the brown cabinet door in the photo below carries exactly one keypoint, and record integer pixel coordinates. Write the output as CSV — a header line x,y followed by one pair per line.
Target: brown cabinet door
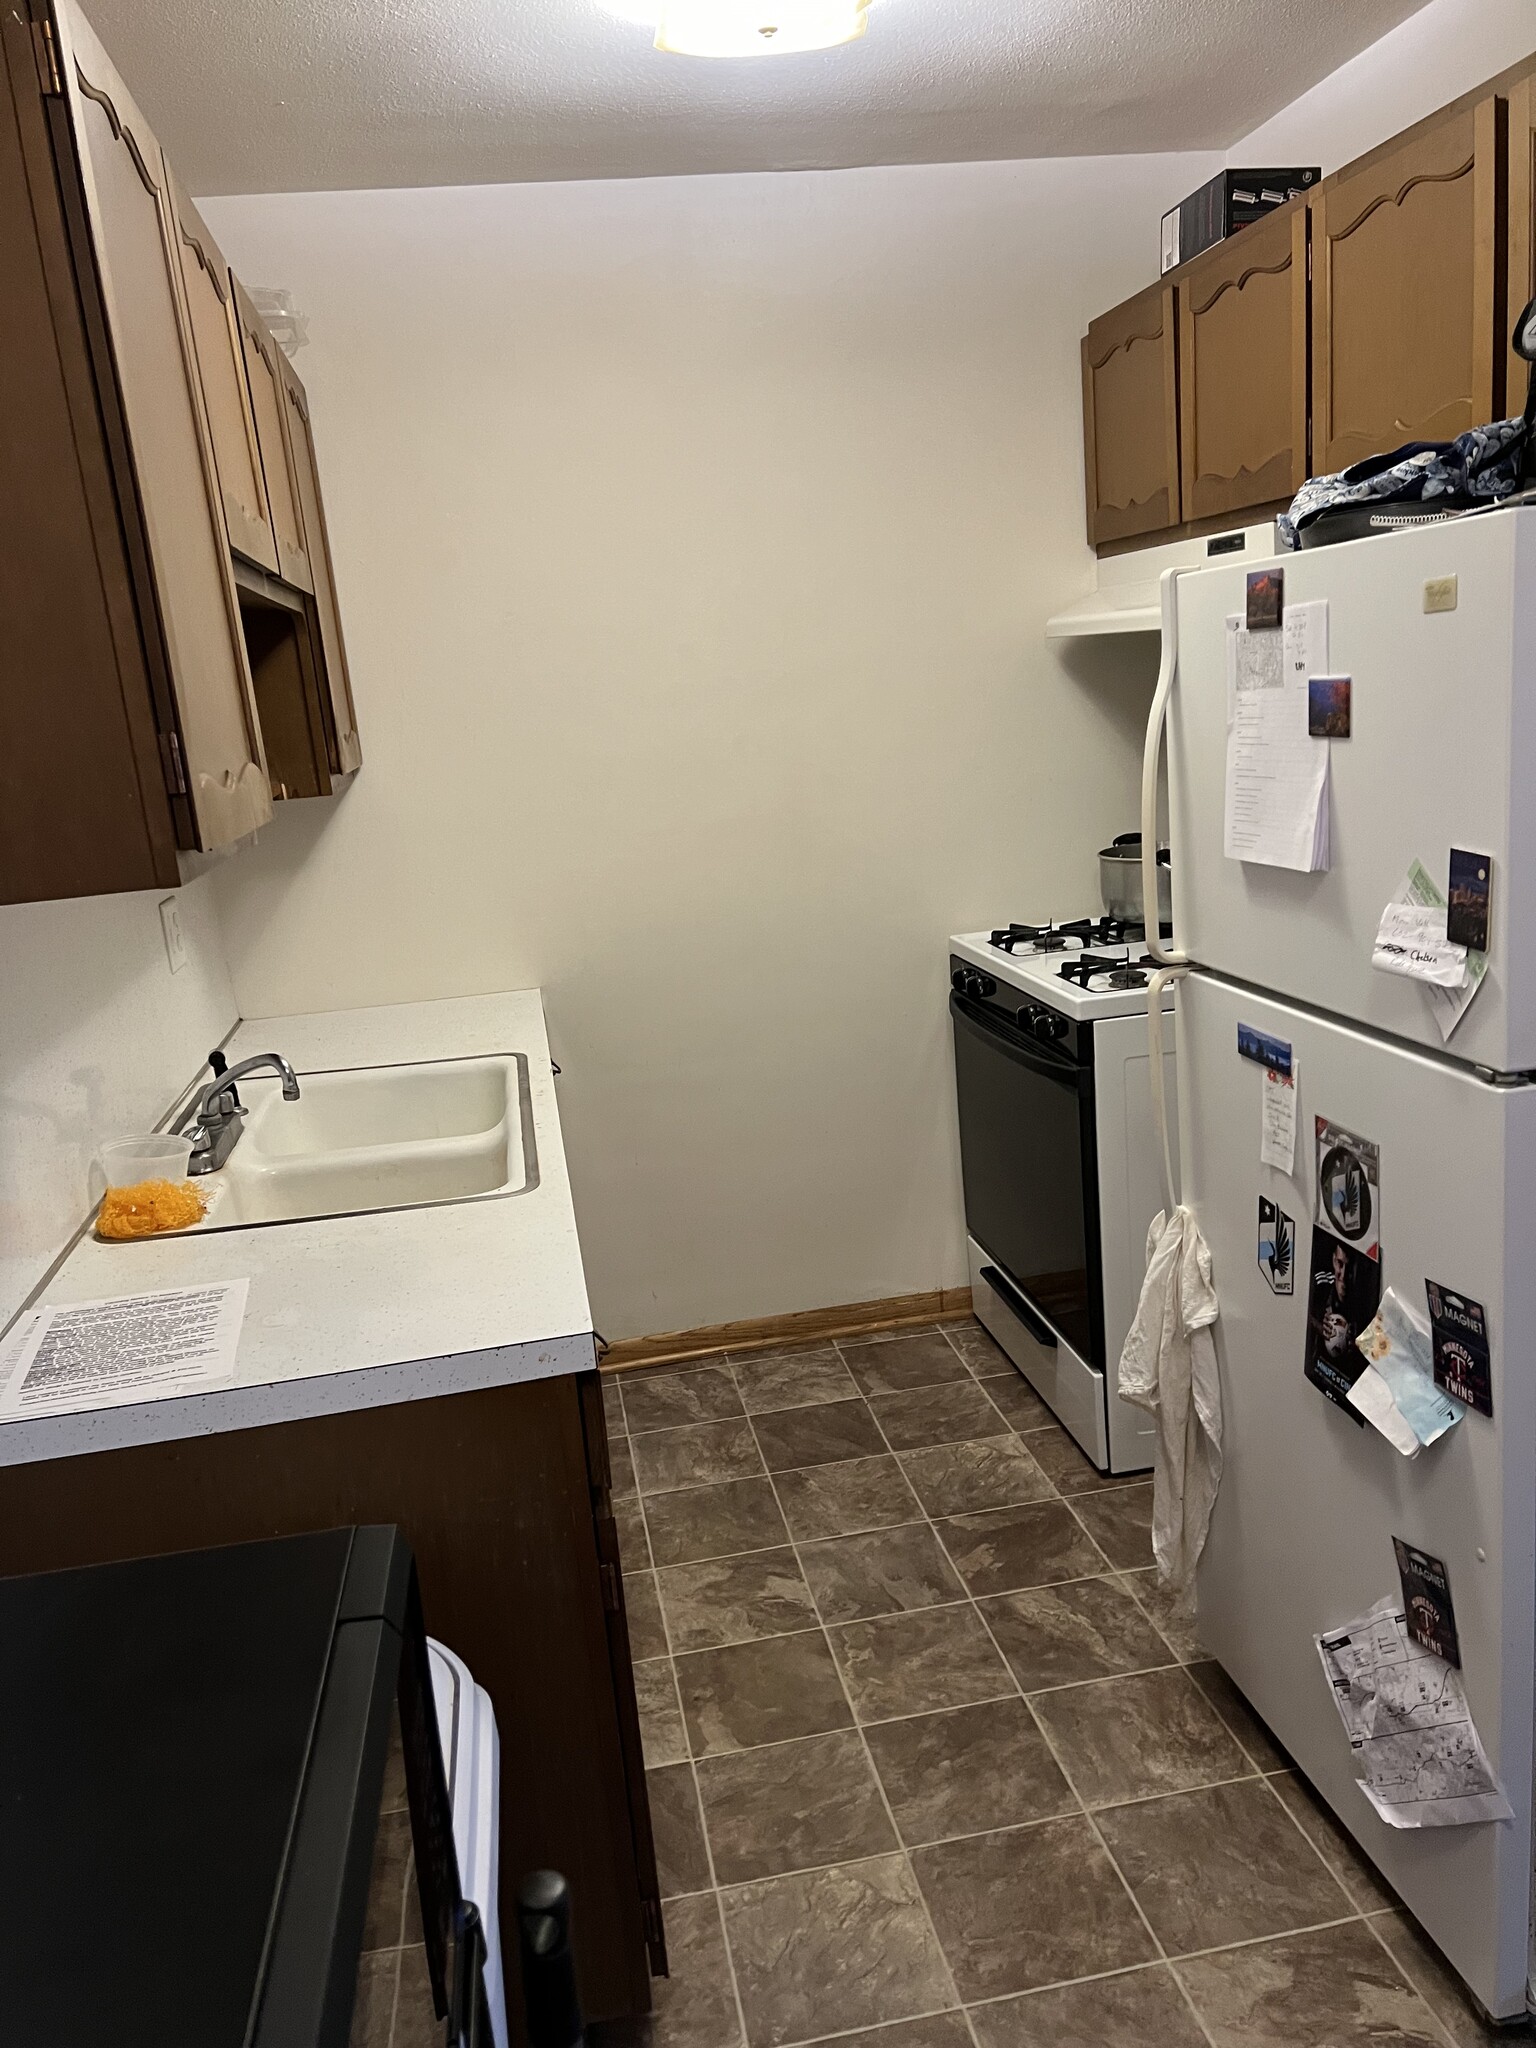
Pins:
x,y
1522,229
1130,419
221,371
132,237
1243,369
1406,307
83,804
262,357
338,680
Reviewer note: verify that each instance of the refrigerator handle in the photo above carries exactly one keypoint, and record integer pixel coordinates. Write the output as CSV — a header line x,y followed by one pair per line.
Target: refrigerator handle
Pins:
x,y
1159,982
1165,956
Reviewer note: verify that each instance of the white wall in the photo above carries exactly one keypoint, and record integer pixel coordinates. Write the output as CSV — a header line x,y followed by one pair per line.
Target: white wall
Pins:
x,y
1433,57
97,1039
694,540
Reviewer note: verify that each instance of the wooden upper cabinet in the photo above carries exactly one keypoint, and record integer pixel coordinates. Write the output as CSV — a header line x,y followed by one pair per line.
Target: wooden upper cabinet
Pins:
x,y
347,751
226,395
1130,418
152,377
1522,230
263,358
1407,309
83,802
1243,369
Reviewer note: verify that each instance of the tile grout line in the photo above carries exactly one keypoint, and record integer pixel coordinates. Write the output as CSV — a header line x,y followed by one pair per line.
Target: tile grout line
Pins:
x,y
1068,1779
698,1800
863,1739
1113,1571
1402,1971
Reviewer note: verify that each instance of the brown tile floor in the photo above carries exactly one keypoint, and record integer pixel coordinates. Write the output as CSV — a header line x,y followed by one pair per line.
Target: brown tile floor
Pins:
x,y
932,1757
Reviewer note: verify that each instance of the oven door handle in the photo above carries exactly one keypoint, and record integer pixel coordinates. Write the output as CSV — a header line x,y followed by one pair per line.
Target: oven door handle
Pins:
x,y
1025,1310
1054,1065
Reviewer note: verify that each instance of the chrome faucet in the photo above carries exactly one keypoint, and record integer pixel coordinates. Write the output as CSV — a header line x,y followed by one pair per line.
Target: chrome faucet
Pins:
x,y
214,1119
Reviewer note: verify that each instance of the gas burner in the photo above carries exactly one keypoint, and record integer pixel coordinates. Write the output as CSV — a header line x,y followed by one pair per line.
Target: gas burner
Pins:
x,y
1080,932
1088,968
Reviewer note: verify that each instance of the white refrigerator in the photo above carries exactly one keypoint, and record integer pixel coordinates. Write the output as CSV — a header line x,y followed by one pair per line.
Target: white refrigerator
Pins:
x,y
1436,628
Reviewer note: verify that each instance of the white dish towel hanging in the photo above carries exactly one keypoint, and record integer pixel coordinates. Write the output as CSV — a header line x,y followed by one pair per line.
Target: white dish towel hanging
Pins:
x,y
1168,1367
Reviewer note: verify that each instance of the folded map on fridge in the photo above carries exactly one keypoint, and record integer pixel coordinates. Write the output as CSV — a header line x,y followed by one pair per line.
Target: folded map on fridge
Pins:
x,y
1421,1763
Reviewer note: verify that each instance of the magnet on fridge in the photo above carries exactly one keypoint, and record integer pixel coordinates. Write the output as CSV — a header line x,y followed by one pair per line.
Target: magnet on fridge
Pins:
x,y
1427,1605
1277,1247
1466,922
1343,1297
1266,599
1349,1187
1328,707
1463,1355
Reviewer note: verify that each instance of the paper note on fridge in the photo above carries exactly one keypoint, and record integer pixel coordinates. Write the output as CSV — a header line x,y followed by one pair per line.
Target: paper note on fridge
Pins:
x,y
1277,1129
1411,940
1419,1758
1277,787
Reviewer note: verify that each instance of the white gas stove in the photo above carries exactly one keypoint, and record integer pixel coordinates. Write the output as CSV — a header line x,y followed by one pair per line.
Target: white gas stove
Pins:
x,y
1091,967
1060,1159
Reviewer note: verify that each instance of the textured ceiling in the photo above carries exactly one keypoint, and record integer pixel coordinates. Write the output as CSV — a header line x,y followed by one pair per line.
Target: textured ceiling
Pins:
x,y
298,95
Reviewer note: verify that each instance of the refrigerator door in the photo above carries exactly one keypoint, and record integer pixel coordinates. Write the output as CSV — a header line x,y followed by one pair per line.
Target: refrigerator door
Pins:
x,y
1444,729
1301,1539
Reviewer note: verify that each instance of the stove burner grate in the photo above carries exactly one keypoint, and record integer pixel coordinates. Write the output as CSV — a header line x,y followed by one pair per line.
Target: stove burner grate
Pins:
x,y
1079,932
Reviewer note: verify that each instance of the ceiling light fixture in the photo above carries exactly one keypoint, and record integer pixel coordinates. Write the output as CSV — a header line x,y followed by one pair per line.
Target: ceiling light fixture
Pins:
x,y
758,28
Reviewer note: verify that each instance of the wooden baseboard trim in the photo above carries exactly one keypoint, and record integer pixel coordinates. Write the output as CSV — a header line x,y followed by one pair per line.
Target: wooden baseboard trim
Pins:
x,y
806,1326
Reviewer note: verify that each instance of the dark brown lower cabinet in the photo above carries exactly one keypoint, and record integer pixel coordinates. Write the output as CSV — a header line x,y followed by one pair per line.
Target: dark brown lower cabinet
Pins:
x,y
504,1497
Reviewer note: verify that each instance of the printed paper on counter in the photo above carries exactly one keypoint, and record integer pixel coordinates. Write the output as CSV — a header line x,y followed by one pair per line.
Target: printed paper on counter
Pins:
x,y
139,1347
1277,780
1420,1762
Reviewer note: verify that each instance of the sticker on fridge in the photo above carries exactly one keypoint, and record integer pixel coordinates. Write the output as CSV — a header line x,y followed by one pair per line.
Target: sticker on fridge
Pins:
x,y
1466,921
1349,1187
1463,1355
1277,1247
1343,1295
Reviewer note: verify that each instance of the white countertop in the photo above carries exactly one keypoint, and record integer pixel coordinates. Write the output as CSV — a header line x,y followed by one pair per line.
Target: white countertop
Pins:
x,y
359,1311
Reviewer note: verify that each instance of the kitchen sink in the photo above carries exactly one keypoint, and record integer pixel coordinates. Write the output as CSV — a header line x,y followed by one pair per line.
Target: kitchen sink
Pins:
x,y
370,1138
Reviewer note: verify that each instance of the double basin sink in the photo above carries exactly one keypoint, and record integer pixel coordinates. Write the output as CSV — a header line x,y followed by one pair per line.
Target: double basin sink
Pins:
x,y
370,1138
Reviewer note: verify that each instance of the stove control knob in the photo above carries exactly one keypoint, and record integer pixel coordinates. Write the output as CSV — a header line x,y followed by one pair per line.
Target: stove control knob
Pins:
x,y
1047,1026
970,981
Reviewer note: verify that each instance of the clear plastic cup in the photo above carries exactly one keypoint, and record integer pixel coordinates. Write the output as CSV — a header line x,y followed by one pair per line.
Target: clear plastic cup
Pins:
x,y
124,1162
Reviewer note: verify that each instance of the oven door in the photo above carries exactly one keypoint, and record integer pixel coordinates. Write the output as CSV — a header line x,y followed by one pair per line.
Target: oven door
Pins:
x,y
1029,1161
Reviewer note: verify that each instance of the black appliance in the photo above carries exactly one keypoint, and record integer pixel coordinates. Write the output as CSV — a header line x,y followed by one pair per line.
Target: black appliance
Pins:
x,y
192,1778
1025,1085
1227,202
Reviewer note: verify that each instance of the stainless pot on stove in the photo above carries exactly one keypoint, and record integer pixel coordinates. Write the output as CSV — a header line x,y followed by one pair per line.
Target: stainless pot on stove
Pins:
x,y
1120,880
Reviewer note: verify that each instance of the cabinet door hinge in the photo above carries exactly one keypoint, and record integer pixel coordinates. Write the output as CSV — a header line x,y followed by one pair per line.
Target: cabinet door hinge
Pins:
x,y
170,761
612,1598
47,54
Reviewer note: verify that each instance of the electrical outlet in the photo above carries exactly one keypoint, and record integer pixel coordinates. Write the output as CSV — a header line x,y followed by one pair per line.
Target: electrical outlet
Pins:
x,y
175,937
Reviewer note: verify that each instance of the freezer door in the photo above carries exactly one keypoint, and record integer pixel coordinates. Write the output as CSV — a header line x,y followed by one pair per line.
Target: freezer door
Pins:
x,y
1444,729
1301,1539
